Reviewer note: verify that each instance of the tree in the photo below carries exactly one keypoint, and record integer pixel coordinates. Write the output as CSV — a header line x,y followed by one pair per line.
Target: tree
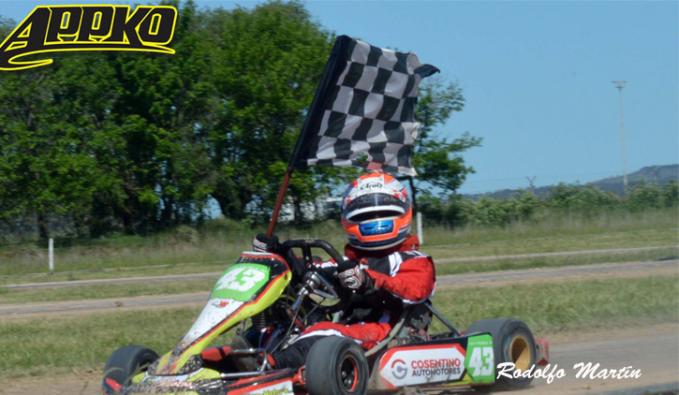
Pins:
x,y
95,138
48,117
581,198
139,142
438,161
267,65
164,106
671,194
644,196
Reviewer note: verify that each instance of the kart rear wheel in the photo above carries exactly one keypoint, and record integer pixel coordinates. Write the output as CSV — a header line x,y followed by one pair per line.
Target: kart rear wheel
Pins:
x,y
512,342
336,366
124,364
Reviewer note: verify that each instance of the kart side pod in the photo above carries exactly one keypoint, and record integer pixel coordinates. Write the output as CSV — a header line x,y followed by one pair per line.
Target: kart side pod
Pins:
x,y
460,361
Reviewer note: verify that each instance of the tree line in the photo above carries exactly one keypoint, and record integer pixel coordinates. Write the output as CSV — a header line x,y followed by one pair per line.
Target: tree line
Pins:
x,y
135,142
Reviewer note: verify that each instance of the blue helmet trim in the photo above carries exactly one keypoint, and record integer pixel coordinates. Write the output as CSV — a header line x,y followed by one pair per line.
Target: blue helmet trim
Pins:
x,y
376,245
378,227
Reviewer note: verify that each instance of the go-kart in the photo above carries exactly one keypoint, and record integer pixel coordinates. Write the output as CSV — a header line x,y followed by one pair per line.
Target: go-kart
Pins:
x,y
270,298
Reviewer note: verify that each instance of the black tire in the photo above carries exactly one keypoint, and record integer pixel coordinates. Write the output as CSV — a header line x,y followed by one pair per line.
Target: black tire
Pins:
x,y
125,363
512,342
336,366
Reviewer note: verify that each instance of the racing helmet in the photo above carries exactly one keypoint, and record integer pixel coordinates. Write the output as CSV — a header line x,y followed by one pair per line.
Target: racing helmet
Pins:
x,y
376,212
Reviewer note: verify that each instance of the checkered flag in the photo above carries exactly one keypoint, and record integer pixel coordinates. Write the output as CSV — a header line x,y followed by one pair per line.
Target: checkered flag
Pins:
x,y
364,110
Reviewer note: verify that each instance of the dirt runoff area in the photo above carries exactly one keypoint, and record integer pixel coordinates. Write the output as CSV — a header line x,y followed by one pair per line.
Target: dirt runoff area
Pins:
x,y
658,365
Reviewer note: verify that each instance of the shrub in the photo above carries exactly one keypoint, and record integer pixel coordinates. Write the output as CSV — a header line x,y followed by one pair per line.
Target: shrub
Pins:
x,y
671,194
586,199
573,201
645,196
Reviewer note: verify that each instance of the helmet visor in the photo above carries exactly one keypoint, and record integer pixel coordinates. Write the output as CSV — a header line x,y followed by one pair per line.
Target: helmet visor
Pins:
x,y
374,206
378,227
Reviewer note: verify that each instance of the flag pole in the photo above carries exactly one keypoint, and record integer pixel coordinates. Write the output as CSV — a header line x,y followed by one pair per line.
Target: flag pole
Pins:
x,y
279,202
412,188
416,213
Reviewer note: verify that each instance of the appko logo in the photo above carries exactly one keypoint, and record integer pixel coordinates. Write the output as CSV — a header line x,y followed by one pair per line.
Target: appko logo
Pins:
x,y
66,28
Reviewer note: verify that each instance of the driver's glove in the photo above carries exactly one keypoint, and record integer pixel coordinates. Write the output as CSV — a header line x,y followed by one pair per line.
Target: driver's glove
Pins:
x,y
263,243
354,278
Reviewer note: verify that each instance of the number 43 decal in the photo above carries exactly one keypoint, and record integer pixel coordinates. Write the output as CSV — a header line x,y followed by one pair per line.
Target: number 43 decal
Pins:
x,y
241,282
240,279
481,362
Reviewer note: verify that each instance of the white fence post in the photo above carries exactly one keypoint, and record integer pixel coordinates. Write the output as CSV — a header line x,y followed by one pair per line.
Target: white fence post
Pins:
x,y
50,254
420,234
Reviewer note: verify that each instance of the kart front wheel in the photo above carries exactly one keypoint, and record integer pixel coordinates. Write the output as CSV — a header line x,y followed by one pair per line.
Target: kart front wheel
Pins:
x,y
512,342
336,366
123,365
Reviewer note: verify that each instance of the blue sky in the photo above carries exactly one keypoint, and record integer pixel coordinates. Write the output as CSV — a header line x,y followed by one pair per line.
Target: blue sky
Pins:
x,y
536,76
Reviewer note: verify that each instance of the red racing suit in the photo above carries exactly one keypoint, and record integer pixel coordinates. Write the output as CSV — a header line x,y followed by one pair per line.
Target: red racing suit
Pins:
x,y
397,278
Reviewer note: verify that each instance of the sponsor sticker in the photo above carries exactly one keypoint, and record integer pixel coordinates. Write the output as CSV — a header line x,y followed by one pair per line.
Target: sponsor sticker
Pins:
x,y
275,388
426,364
214,312
241,282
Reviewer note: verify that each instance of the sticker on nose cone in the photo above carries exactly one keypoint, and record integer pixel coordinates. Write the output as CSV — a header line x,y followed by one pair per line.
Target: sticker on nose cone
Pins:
x,y
241,282
280,387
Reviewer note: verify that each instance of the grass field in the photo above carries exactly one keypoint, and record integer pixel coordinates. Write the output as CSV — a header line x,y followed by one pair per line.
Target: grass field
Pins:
x,y
644,229
83,342
103,292
186,250
555,261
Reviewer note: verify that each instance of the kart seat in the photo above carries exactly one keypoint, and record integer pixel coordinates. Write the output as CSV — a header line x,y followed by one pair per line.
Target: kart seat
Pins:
x,y
413,315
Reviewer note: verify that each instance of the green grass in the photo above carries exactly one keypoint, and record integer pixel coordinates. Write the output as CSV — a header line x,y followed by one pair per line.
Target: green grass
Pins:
x,y
158,270
185,250
53,345
644,229
555,261
184,247
104,292
41,346
567,306
184,286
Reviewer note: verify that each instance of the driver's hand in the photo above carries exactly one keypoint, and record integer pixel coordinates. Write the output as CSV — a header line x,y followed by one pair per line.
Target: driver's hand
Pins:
x,y
354,278
262,243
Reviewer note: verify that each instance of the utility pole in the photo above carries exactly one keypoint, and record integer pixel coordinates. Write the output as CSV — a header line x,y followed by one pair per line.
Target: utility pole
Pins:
x,y
531,184
620,85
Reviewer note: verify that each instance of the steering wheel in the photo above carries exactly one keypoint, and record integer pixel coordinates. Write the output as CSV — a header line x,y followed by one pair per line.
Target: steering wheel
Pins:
x,y
300,267
325,277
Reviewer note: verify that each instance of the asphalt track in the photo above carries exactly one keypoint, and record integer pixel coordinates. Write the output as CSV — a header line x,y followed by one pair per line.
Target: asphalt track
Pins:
x,y
496,278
